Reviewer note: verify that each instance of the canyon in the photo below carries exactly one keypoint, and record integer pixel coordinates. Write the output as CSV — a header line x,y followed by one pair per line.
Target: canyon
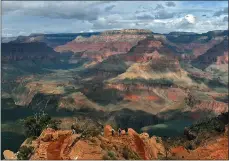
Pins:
x,y
123,78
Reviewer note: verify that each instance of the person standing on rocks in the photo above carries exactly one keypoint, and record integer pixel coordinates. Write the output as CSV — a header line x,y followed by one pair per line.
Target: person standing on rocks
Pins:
x,y
112,132
73,129
119,132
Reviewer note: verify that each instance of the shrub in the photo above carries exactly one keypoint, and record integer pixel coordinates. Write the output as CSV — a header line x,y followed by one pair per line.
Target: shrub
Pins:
x,y
24,153
157,140
190,146
35,124
219,126
110,155
128,154
90,133
150,82
30,139
191,101
125,153
54,124
208,125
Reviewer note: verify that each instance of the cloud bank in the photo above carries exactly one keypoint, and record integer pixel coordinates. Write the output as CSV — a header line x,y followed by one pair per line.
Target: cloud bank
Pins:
x,y
24,18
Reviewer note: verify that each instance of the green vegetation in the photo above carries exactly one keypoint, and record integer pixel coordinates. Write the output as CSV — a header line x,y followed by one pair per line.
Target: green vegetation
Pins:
x,y
223,98
90,132
129,154
191,100
215,124
24,153
110,155
30,139
197,133
150,82
209,82
104,96
35,124
87,128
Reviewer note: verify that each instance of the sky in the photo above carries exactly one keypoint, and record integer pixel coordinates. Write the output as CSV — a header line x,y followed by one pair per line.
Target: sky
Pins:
x,y
26,17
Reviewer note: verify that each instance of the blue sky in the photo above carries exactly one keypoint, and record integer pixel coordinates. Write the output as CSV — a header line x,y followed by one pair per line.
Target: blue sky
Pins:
x,y
24,18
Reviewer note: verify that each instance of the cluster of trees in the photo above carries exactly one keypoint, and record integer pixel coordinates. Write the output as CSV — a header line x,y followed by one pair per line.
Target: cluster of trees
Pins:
x,y
215,124
34,125
87,128
191,101
150,82
209,82
24,153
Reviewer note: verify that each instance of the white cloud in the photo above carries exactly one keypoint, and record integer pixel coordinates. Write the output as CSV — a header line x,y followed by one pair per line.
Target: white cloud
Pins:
x,y
190,18
74,16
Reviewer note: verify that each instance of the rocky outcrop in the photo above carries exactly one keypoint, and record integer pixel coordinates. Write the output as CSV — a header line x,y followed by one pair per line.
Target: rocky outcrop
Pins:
x,y
9,155
101,46
218,54
127,31
62,144
147,49
216,107
107,131
212,150
51,40
24,51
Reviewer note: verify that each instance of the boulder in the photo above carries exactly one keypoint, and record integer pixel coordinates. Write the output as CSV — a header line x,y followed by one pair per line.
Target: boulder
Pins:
x,y
60,133
107,130
47,134
132,132
123,132
144,135
46,137
9,155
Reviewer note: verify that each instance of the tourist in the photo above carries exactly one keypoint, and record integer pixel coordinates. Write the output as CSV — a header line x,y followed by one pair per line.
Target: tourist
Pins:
x,y
119,132
112,132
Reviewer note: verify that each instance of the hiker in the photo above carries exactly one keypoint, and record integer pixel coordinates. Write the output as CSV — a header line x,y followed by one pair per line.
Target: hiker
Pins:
x,y
73,131
126,130
119,131
112,132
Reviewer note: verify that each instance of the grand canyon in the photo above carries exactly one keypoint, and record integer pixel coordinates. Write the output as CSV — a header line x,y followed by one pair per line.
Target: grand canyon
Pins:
x,y
163,90
114,80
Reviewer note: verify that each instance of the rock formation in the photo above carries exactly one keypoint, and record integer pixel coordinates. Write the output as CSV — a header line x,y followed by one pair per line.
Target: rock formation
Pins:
x,y
62,144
